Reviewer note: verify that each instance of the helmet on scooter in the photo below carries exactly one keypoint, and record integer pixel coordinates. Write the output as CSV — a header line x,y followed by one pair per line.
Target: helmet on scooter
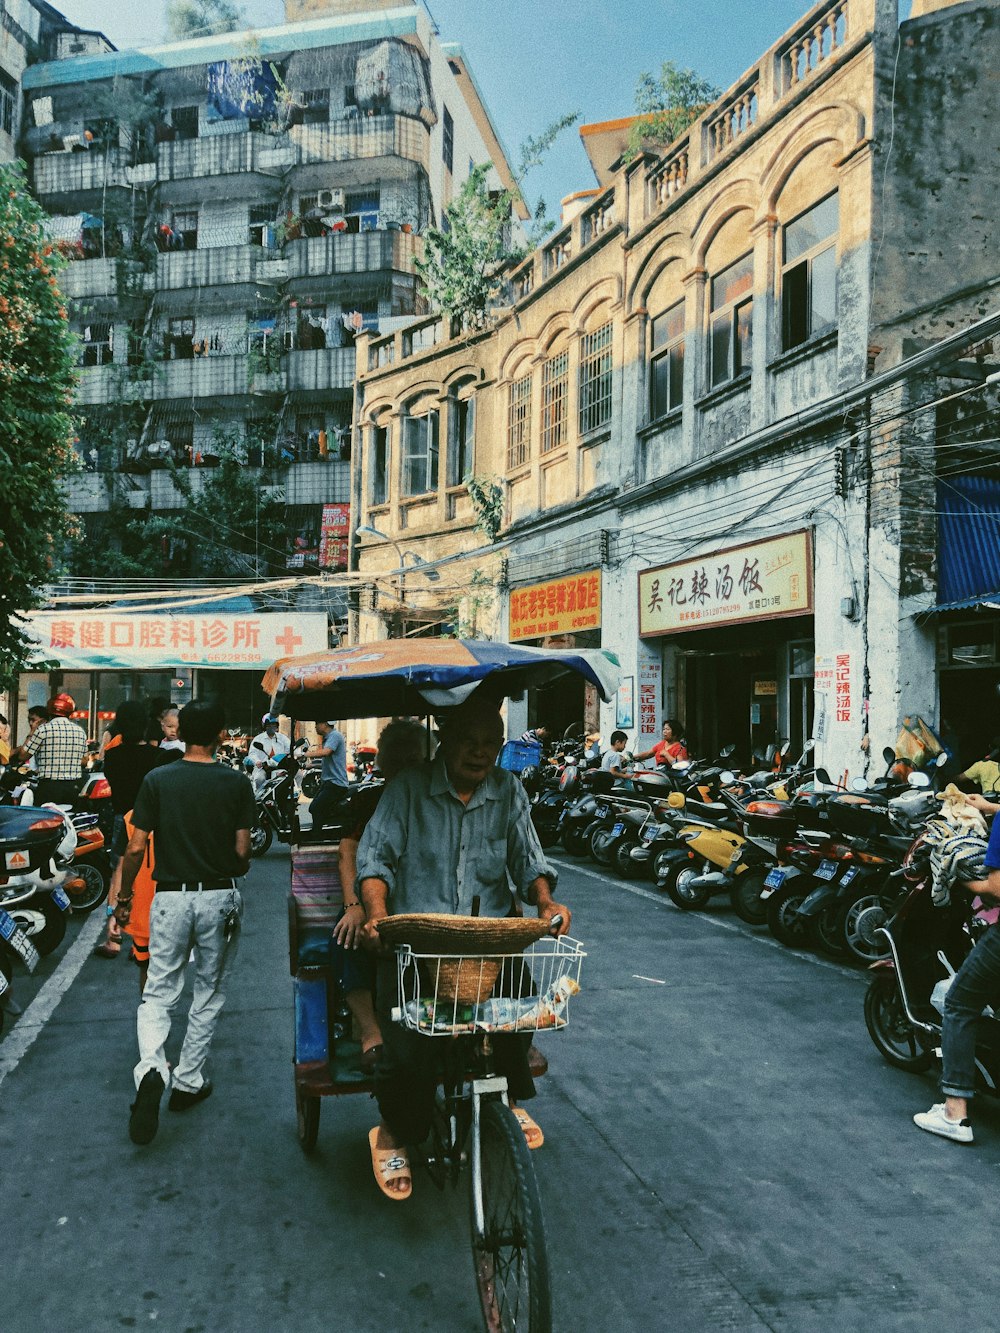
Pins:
x,y
61,705
269,720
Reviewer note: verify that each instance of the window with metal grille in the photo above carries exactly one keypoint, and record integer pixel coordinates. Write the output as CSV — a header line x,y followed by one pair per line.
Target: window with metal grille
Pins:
x,y
666,365
732,321
519,423
809,273
8,102
595,379
448,140
555,391
420,453
316,106
185,121
261,223
98,345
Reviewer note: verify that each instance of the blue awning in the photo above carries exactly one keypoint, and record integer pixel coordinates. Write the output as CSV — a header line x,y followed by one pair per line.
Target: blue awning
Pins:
x,y
968,542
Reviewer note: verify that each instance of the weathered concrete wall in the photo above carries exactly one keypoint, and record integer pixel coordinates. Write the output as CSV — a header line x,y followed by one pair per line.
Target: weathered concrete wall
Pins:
x,y
299,11
938,234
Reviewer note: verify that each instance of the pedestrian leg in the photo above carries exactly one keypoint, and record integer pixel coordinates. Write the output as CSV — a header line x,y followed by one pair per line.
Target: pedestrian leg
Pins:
x,y
170,933
214,955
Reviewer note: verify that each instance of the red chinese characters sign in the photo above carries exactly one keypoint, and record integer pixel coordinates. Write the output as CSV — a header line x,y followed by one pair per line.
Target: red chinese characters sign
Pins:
x,y
743,583
89,639
563,606
336,527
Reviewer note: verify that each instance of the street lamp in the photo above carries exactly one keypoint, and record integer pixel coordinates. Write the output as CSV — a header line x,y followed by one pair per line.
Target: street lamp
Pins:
x,y
419,564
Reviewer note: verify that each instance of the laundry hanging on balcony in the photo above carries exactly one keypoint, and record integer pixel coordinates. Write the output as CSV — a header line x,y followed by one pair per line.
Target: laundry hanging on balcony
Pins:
x,y
392,77
241,89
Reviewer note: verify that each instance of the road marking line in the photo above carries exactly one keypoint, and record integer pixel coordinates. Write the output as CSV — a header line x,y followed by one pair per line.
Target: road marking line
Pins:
x,y
637,976
15,1046
767,941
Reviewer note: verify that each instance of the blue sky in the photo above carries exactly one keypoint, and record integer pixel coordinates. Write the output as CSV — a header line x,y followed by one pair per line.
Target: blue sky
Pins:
x,y
534,60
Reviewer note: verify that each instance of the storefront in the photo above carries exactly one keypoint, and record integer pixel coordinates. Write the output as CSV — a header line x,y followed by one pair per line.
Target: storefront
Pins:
x,y
734,634
103,658
561,613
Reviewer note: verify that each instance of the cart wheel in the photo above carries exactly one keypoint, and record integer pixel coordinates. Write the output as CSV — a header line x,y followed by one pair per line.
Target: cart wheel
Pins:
x,y
307,1119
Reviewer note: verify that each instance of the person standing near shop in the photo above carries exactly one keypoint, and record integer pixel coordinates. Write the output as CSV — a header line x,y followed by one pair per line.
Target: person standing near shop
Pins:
x,y
201,813
58,747
334,786
670,749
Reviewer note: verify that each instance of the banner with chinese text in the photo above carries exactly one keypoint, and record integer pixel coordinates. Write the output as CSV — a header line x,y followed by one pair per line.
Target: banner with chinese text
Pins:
x,y
105,640
334,532
561,606
743,583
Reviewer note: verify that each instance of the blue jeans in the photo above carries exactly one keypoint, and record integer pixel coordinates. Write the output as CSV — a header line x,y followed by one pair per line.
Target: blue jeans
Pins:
x,y
976,985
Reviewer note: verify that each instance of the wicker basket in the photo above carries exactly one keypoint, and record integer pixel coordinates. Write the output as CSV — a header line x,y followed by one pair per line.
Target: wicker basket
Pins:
x,y
460,957
462,936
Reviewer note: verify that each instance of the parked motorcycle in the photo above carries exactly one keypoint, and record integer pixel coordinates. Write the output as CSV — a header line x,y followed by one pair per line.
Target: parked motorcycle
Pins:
x,y
35,845
14,946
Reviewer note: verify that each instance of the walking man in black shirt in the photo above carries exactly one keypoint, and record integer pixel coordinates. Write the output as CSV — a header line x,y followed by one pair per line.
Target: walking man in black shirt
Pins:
x,y
201,813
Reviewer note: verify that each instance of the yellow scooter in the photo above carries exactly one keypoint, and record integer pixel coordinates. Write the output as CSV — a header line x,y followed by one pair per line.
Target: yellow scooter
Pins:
x,y
702,855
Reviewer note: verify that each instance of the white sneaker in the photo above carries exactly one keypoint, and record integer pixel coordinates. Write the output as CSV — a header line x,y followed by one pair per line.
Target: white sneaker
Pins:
x,y
936,1122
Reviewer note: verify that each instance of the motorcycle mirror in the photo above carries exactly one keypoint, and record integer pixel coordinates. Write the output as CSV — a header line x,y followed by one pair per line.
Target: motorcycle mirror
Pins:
x,y
918,780
858,784
889,755
726,777
257,745
941,760
824,777
809,746
726,751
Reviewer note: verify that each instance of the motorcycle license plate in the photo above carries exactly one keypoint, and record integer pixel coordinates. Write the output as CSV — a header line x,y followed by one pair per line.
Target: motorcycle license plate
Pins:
x,y
849,874
649,834
60,898
827,870
618,829
18,941
602,812
775,879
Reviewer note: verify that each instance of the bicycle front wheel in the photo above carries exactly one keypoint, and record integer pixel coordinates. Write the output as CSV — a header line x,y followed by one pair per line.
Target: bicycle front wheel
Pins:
x,y
512,1268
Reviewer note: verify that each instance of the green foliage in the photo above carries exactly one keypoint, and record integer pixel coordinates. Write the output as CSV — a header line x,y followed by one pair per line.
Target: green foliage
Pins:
x,y
668,103
488,502
469,615
203,18
465,262
36,388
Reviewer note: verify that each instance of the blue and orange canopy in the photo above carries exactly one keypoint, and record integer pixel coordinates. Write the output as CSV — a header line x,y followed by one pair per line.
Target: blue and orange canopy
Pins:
x,y
406,677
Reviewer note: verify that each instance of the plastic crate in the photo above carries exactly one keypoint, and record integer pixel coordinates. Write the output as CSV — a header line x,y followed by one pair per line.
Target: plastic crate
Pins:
x,y
516,756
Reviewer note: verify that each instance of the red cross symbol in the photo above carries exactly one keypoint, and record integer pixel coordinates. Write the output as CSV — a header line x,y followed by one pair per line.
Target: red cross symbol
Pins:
x,y
288,640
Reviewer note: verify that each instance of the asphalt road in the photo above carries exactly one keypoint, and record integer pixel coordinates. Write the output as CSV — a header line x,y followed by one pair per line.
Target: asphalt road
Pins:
x,y
725,1150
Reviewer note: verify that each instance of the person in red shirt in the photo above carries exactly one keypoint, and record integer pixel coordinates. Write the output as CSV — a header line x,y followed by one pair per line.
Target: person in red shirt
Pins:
x,y
670,749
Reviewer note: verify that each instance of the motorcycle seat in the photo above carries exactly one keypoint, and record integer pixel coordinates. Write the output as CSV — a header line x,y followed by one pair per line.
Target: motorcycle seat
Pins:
x,y
706,807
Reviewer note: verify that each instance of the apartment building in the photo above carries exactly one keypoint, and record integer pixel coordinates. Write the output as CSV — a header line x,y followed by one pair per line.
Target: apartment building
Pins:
x,y
236,210
30,30
733,408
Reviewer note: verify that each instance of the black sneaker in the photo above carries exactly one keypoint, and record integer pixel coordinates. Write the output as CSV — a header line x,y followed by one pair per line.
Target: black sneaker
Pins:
x,y
145,1117
183,1101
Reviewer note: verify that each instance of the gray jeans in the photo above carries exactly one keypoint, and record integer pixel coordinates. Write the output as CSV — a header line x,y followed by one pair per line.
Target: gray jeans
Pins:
x,y
179,922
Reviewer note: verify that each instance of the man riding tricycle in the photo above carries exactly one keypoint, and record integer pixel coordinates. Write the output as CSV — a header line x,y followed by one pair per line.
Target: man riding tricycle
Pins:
x,y
468,941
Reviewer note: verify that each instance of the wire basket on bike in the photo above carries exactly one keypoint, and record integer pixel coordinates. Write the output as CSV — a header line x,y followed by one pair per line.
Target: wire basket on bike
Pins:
x,y
494,984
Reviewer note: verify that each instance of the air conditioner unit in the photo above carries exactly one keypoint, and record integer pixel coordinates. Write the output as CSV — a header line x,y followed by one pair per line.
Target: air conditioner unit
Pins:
x,y
331,199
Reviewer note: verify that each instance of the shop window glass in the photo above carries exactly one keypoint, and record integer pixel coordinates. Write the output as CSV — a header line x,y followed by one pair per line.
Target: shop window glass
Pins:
x,y
667,361
809,273
420,453
732,321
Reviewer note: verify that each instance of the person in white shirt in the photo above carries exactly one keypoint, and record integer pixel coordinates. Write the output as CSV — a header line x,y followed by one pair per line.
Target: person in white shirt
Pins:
x,y
267,749
616,760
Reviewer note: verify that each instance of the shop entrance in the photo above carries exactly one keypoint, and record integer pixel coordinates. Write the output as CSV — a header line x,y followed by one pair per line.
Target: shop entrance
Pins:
x,y
568,701
749,686
969,656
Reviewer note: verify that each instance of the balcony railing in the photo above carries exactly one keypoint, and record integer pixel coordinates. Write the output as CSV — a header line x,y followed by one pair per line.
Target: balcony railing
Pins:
x,y
598,219
558,252
89,277
361,137
323,369
220,266
74,173
353,252
829,32
224,155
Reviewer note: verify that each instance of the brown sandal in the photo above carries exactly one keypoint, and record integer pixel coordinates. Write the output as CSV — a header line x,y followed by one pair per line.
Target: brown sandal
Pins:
x,y
107,950
390,1164
533,1135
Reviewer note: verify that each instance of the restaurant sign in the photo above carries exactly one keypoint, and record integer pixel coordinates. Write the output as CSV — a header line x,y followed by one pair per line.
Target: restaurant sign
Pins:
x,y
105,640
762,581
562,606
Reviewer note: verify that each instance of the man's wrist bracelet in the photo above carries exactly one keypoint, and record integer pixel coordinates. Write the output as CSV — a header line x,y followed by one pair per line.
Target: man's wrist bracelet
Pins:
x,y
352,905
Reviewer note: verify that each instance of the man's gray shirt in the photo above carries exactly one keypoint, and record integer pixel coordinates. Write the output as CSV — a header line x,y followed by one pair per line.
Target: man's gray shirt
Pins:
x,y
436,854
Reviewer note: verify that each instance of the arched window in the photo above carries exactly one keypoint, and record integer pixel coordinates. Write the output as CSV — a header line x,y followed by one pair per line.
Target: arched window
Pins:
x,y
519,419
555,397
596,370
809,273
666,342
421,447
378,462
